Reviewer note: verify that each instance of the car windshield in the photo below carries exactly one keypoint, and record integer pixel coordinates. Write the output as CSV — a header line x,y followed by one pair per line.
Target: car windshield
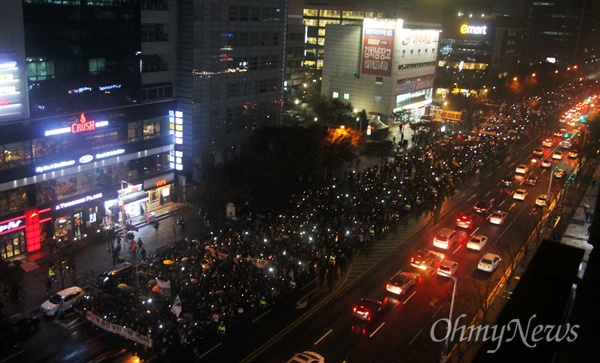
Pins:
x,y
400,280
55,299
475,240
440,237
486,261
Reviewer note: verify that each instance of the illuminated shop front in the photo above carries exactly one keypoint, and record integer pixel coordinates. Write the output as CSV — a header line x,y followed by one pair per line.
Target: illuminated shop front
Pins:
x,y
24,233
160,190
77,218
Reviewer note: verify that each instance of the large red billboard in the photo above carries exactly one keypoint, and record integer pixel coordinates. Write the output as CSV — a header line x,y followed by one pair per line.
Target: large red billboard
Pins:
x,y
378,46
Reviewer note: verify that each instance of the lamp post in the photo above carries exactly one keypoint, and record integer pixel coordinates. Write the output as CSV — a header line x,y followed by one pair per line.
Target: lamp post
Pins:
x,y
123,220
444,354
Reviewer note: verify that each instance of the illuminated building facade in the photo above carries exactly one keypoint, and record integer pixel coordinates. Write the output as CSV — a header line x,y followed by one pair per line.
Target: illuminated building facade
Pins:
x,y
88,118
381,67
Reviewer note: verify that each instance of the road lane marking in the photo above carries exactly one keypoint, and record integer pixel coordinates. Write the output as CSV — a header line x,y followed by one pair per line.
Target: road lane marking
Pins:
x,y
476,229
411,295
472,197
376,330
210,350
323,337
435,313
457,248
415,337
265,313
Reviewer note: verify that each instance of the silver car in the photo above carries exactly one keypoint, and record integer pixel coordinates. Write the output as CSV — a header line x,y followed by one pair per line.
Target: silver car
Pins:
x,y
62,301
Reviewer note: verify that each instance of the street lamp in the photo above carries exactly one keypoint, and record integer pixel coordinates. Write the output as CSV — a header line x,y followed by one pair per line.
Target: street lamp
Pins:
x,y
123,219
445,352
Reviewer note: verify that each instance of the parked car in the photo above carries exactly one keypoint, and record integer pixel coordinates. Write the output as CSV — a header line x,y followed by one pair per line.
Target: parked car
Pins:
x,y
17,328
62,301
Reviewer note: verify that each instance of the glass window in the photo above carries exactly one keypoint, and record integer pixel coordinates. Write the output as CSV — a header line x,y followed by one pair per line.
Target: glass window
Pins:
x,y
324,22
311,12
97,65
377,99
331,13
40,70
15,154
311,22
336,94
346,96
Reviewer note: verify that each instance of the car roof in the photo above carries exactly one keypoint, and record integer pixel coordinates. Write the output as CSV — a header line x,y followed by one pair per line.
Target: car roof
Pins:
x,y
70,290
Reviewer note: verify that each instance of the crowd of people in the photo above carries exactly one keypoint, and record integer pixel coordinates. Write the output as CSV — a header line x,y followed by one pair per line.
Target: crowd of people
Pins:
x,y
253,263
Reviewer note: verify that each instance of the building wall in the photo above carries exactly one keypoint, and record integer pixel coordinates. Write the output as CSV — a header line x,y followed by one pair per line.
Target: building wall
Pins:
x,y
411,69
230,74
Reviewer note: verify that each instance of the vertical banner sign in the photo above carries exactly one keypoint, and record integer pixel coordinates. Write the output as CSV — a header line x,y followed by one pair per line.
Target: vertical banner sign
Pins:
x,y
378,47
32,230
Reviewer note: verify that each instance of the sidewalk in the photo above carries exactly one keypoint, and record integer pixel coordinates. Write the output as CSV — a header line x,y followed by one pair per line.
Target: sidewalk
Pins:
x,y
97,256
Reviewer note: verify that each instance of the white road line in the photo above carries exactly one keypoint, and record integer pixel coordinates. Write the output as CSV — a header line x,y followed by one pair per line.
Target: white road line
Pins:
x,y
411,295
472,197
265,313
323,337
435,313
457,248
476,229
376,330
210,350
415,337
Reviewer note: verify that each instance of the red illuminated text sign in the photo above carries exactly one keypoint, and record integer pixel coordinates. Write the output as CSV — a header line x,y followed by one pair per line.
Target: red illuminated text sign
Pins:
x,y
83,125
160,183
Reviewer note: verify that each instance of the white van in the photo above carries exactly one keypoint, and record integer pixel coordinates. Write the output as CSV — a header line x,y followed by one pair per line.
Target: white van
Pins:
x,y
445,238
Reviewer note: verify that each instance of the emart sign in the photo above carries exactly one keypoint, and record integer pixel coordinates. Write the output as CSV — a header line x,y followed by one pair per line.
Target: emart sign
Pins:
x,y
473,29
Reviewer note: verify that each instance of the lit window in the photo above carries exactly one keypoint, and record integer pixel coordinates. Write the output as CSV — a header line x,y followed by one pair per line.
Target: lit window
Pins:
x,y
346,96
336,95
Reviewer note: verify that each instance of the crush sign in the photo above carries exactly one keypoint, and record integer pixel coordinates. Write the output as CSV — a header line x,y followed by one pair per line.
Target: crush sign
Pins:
x,y
378,45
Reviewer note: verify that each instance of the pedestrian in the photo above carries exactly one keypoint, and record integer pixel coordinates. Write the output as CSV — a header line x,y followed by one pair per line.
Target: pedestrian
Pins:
x,y
133,248
48,284
52,273
156,227
140,244
143,253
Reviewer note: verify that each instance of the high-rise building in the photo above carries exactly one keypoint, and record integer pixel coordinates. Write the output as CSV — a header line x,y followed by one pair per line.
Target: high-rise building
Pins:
x,y
381,67
230,73
552,31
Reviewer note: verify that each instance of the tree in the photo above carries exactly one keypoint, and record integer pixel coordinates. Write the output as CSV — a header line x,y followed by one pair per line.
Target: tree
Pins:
x,y
332,111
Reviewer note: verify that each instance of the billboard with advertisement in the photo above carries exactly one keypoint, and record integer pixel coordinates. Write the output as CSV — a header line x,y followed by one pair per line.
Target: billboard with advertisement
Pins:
x,y
378,46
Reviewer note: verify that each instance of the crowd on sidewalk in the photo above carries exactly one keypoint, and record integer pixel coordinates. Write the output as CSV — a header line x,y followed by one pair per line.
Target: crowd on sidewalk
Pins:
x,y
253,263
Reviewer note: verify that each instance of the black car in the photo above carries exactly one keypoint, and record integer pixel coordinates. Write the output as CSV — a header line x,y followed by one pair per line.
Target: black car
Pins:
x,y
483,207
532,180
508,180
367,309
17,328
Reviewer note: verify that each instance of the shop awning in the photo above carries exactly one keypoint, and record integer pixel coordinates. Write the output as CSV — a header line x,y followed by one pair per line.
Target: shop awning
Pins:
x,y
134,197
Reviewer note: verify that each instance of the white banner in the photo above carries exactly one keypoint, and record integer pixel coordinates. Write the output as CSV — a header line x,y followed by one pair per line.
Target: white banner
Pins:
x,y
117,329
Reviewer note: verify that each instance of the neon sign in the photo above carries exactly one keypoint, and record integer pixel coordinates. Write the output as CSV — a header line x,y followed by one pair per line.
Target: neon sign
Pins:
x,y
83,125
110,153
160,183
472,29
66,130
87,198
62,164
11,225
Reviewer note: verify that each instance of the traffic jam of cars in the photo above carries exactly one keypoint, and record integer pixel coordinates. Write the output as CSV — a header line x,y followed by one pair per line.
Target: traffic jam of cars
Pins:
x,y
548,157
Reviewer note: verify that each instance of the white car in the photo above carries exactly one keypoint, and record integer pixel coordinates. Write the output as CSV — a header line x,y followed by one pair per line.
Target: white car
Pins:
x,y
546,163
476,242
520,194
539,151
447,268
557,155
62,300
307,357
498,217
547,143
401,282
489,262
541,200
521,169
559,173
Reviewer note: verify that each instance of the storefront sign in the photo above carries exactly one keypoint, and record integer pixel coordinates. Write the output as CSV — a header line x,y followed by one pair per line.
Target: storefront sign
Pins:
x,y
419,37
378,47
11,225
85,199
158,182
472,29
62,164
110,153
83,125
86,159
161,182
